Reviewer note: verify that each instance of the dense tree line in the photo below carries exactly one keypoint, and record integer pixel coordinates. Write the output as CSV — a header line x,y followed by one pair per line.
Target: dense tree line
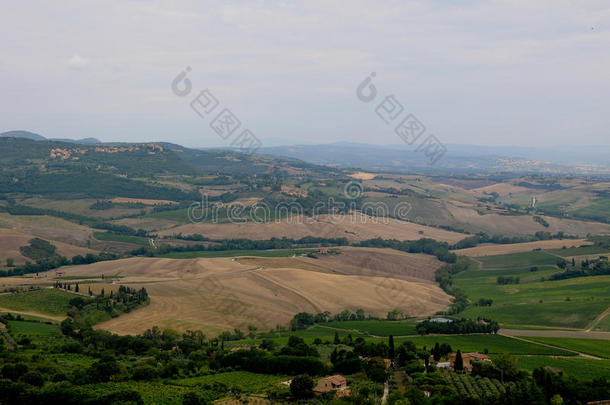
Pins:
x,y
479,238
444,277
55,261
242,244
595,267
502,280
15,209
423,245
457,327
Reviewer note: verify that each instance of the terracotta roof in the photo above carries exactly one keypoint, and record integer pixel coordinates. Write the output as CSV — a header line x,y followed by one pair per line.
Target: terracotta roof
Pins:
x,y
337,379
477,356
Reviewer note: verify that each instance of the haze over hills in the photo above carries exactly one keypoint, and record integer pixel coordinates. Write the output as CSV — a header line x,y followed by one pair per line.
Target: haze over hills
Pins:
x,y
401,158
37,137
458,158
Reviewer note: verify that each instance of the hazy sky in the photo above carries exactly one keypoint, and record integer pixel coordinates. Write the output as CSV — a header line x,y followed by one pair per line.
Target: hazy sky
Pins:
x,y
523,72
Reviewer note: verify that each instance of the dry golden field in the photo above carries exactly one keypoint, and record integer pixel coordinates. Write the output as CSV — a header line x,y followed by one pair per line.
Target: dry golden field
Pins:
x,y
11,240
216,294
46,227
355,228
494,249
363,176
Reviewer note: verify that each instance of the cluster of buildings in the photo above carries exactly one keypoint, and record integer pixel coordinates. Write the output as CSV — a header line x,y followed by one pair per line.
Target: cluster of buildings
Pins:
x,y
67,153
467,359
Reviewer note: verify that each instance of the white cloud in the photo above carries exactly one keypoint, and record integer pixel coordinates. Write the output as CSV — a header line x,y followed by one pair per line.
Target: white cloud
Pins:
x,y
77,62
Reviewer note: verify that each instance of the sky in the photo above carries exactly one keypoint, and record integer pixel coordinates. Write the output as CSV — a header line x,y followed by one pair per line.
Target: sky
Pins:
x,y
522,72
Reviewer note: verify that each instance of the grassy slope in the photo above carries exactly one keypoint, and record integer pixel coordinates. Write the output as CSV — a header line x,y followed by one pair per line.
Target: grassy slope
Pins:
x,y
32,328
46,301
534,258
595,347
586,369
572,303
378,328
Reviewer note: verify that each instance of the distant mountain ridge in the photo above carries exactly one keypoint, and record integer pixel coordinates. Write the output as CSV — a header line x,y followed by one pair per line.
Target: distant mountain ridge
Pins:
x,y
577,159
37,137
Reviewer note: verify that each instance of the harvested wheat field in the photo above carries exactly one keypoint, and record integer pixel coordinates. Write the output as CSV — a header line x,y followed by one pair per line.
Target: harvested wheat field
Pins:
x,y
363,176
11,240
355,228
495,249
47,227
361,262
216,294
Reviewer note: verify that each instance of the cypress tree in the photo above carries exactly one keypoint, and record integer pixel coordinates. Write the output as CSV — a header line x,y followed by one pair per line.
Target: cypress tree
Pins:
x,y
459,362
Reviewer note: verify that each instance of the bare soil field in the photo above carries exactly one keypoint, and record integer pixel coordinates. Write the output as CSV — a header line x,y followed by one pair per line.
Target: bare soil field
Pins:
x,y
11,240
495,249
356,228
216,294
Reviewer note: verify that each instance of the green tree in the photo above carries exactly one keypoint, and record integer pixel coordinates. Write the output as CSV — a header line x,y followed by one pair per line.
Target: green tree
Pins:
x,y
301,387
375,369
556,399
391,352
436,352
507,365
10,262
459,362
337,340
193,398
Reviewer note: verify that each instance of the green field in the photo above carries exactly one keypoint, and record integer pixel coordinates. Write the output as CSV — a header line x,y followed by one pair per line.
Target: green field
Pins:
x,y
235,253
604,324
478,343
578,367
570,303
178,215
151,392
377,327
595,347
32,328
569,314
48,301
578,251
243,381
309,335
466,343
479,284
598,210
534,258
113,237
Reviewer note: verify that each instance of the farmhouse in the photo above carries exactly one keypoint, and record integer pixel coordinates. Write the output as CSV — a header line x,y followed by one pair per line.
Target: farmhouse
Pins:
x,y
468,358
335,382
